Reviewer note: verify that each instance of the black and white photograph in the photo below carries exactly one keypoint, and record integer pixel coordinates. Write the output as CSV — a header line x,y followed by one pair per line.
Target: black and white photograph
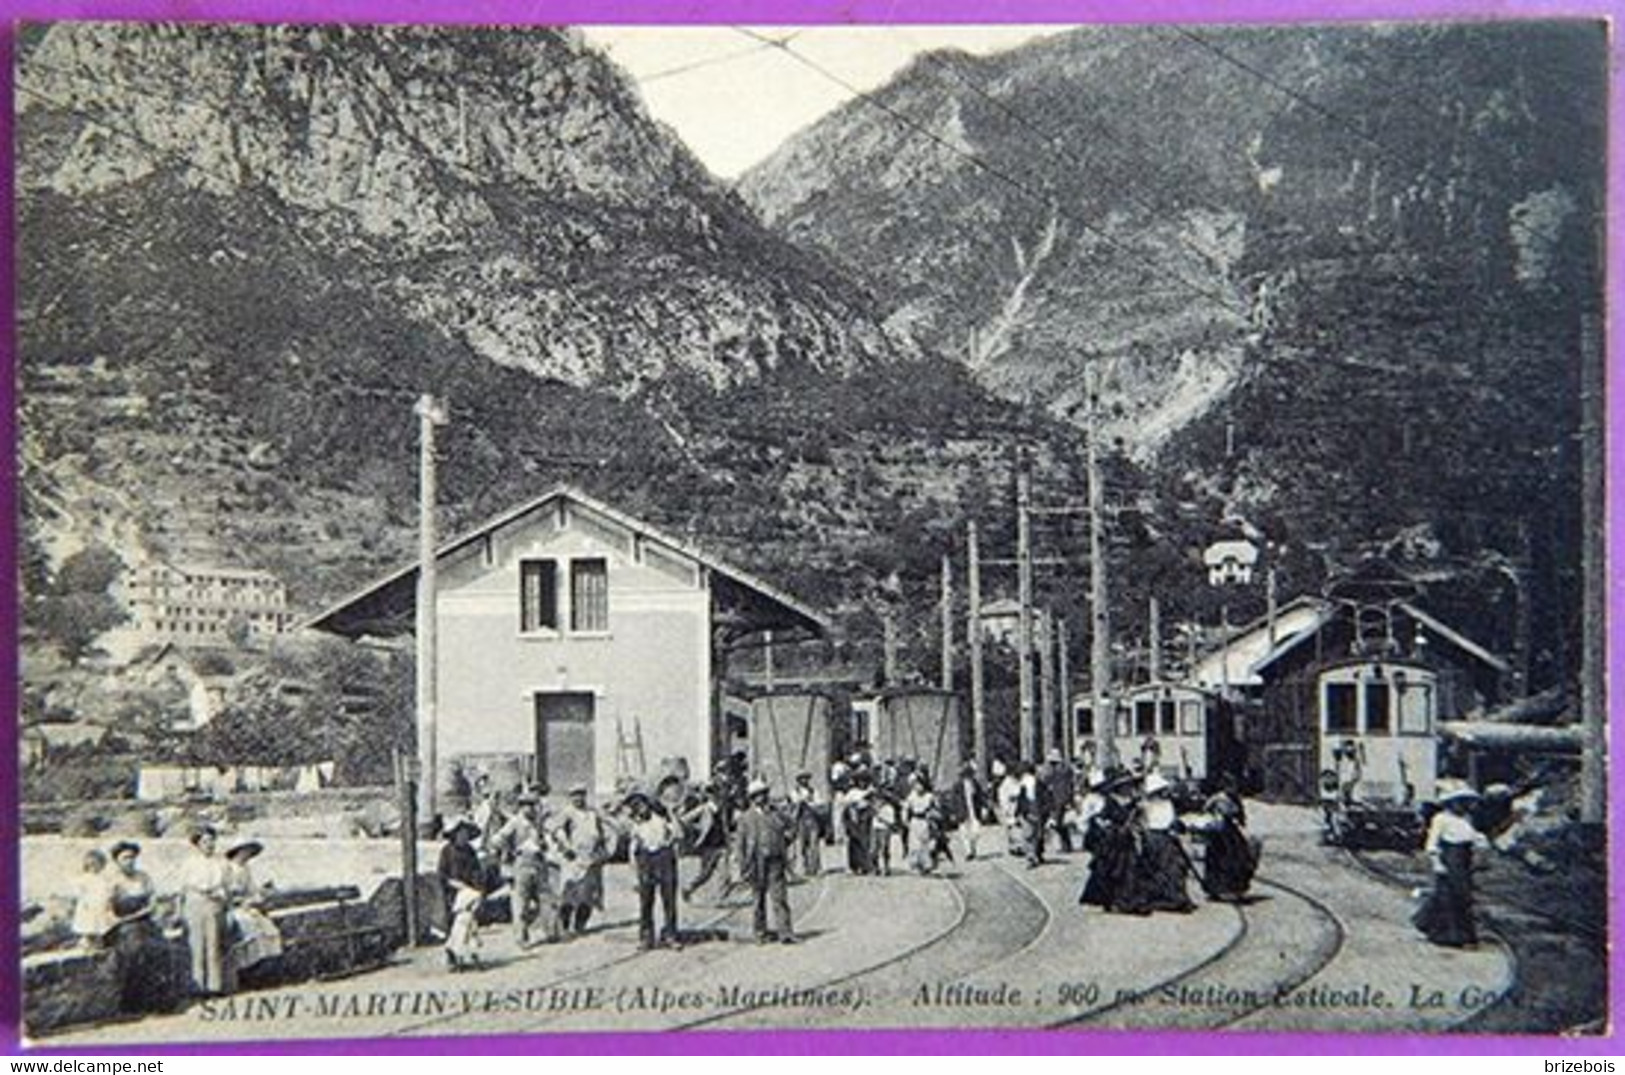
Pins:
x,y
543,529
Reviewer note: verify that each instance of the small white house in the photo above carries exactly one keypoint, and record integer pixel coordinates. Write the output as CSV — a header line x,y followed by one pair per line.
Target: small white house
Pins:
x,y
1230,562
576,643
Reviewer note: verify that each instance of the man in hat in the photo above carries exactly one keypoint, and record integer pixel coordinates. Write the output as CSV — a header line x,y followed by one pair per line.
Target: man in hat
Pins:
x,y
203,905
1059,790
705,822
522,843
653,848
764,845
582,840
967,807
809,833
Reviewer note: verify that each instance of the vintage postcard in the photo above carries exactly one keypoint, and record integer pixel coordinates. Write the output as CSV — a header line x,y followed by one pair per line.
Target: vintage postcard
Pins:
x,y
537,529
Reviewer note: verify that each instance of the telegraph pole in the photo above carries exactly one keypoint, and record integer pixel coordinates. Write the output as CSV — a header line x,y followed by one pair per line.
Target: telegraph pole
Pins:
x,y
1024,628
1100,650
1154,629
973,593
947,623
1069,728
430,414
1046,684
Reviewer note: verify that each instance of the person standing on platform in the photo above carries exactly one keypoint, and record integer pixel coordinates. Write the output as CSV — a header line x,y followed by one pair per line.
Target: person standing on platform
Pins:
x,y
1446,915
705,825
463,878
1059,790
1008,793
582,840
966,808
522,842
652,846
920,816
809,831
764,844
203,905
1032,810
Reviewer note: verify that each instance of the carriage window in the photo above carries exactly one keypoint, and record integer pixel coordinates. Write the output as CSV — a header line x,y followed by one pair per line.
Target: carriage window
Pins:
x,y
1170,717
1145,718
1085,718
1416,709
1125,721
1378,721
1190,718
1342,708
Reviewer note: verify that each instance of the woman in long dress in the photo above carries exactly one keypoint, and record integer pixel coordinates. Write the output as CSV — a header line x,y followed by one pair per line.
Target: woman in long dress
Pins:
x,y
463,878
142,954
1112,838
1230,859
1009,803
203,904
254,937
920,814
1446,916
1162,866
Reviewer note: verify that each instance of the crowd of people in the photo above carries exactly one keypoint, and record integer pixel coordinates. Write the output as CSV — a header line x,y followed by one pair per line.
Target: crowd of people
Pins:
x,y
117,908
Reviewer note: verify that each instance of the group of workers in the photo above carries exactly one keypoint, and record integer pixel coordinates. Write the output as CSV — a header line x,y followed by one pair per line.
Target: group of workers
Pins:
x,y
221,907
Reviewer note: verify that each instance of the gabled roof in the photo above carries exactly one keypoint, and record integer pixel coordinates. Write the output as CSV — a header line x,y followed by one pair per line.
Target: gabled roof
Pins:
x,y
384,607
1236,663
1456,638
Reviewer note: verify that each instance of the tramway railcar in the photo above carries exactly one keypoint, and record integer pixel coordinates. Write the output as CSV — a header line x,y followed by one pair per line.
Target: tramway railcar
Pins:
x,y
1378,748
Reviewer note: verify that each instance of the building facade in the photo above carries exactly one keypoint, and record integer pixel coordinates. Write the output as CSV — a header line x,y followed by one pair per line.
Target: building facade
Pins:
x,y
200,605
576,645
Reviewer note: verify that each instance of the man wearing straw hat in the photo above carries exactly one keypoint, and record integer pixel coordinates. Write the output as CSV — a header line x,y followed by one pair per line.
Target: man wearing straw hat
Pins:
x,y
764,851
522,843
652,844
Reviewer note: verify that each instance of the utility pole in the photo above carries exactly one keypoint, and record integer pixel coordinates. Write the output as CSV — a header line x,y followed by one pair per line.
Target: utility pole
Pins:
x,y
973,592
947,623
1593,553
1154,628
767,660
430,414
1271,603
1046,685
888,623
1100,651
1069,727
1024,621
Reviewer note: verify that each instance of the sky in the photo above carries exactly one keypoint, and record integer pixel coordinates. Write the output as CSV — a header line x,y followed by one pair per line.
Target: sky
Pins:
x,y
734,99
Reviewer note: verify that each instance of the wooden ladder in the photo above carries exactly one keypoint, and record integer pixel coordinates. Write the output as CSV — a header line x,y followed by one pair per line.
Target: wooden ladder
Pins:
x,y
629,750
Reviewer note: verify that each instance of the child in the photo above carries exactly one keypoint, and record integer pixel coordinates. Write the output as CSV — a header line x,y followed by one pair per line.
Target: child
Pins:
x,y
885,824
92,901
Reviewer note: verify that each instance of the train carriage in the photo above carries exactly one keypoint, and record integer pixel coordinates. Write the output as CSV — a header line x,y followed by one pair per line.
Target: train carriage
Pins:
x,y
926,725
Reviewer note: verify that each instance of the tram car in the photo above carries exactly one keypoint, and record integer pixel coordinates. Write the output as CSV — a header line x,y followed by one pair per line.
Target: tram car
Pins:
x,y
796,731
1378,750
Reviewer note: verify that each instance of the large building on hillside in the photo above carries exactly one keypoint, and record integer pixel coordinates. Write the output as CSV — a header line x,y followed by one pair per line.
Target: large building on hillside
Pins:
x,y
577,644
192,604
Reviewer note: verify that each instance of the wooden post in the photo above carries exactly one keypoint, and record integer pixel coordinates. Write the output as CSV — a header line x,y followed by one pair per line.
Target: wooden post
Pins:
x,y
430,414
1046,685
973,591
1154,631
406,792
1069,727
1100,648
888,623
947,624
767,660
1024,621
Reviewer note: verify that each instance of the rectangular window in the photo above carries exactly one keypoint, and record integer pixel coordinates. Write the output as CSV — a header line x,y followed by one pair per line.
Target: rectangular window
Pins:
x,y
589,595
538,595
1085,716
1170,718
1145,718
1378,721
1190,717
1342,709
1416,709
1124,720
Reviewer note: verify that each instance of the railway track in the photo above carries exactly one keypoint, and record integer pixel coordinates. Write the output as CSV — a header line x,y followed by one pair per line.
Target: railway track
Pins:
x,y
1243,977
696,956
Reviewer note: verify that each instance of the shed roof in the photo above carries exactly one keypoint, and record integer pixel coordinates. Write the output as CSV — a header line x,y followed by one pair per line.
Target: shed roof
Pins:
x,y
386,607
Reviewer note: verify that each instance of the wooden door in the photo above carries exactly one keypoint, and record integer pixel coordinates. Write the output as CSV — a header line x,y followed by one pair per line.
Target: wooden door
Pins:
x,y
564,740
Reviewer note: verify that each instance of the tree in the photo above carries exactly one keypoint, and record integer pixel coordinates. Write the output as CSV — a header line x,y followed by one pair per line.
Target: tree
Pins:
x,y
78,605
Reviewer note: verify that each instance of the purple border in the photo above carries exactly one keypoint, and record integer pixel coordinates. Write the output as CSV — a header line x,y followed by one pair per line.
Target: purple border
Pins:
x,y
762,12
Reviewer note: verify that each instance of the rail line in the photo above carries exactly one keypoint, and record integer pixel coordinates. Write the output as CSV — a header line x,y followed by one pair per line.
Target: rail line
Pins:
x,y
1232,952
